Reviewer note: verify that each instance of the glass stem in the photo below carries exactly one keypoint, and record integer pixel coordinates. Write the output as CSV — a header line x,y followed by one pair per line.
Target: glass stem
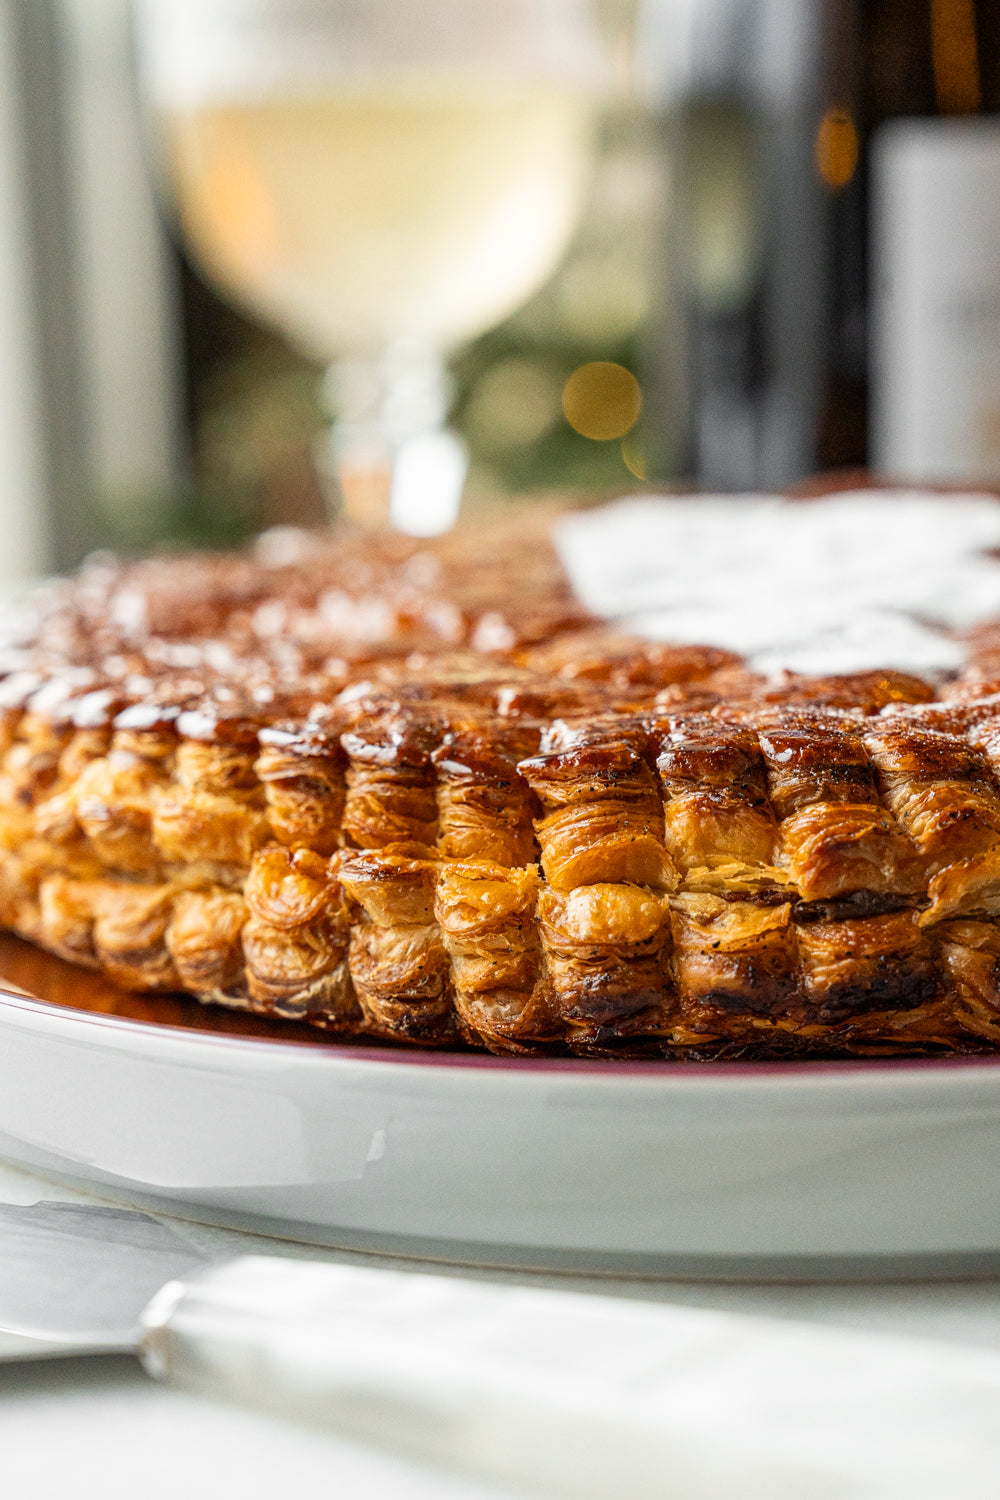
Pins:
x,y
389,459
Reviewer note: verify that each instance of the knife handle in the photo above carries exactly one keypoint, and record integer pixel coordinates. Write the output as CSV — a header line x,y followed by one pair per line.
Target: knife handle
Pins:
x,y
568,1394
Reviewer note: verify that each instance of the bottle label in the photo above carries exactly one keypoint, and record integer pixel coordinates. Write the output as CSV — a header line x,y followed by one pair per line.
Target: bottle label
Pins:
x,y
935,299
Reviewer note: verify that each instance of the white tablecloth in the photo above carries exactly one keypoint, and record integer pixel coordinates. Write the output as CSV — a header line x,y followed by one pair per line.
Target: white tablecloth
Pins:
x,y
100,1428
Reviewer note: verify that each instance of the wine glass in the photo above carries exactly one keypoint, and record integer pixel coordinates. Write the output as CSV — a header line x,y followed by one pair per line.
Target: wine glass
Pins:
x,y
382,180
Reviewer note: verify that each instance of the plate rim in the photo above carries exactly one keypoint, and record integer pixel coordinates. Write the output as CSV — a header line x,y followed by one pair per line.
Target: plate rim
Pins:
x,y
797,1069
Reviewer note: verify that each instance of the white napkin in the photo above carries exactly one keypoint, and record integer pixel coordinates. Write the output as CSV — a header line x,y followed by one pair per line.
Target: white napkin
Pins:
x,y
845,583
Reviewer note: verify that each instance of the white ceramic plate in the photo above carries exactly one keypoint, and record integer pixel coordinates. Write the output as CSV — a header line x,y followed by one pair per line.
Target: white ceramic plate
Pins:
x,y
793,1170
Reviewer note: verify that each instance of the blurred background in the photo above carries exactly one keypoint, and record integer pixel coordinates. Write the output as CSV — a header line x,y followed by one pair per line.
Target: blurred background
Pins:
x,y
783,258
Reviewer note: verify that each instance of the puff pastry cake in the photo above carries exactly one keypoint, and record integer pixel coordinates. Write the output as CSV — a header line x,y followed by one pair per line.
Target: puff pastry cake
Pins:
x,y
374,785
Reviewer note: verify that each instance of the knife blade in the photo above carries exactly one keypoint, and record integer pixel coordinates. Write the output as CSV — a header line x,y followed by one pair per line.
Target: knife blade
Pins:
x,y
562,1393
78,1275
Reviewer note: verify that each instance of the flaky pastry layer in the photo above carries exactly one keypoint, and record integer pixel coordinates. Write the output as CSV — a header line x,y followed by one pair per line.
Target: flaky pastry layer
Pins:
x,y
367,785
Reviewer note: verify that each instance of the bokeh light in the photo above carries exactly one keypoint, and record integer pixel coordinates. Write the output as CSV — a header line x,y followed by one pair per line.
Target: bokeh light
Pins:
x,y
602,400
634,455
837,148
514,404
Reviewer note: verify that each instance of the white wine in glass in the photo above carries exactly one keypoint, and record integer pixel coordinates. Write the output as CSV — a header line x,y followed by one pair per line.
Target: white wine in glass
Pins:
x,y
382,180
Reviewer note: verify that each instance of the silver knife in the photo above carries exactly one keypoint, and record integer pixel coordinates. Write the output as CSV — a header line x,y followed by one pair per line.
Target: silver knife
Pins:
x,y
561,1393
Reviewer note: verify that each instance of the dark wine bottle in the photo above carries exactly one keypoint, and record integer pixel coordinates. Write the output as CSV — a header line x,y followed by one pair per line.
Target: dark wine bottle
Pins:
x,y
931,97
835,168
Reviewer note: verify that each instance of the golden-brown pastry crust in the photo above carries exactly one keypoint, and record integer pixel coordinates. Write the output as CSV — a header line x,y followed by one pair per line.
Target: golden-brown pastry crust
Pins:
x,y
375,787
